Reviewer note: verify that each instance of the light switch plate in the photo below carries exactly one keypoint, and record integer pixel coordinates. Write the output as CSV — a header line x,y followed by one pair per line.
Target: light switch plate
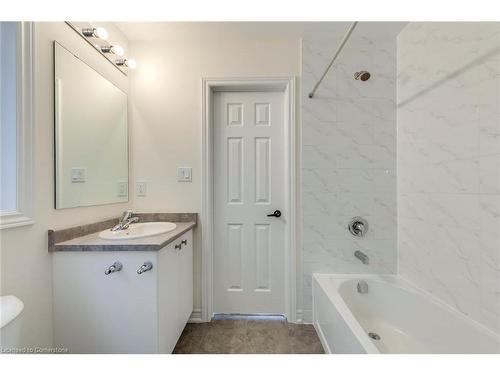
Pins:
x,y
122,189
140,188
78,175
184,174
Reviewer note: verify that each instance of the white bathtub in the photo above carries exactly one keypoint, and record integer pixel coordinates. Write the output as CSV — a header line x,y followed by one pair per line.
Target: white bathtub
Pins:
x,y
407,319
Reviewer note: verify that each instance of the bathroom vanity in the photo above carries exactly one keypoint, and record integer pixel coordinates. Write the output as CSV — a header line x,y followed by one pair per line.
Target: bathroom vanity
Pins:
x,y
108,298
126,290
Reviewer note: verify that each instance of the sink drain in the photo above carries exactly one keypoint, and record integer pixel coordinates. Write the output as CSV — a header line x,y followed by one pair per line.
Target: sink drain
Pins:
x,y
373,336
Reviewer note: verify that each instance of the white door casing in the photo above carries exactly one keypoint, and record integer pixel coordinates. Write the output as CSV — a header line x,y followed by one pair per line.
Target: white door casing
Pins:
x,y
286,86
249,175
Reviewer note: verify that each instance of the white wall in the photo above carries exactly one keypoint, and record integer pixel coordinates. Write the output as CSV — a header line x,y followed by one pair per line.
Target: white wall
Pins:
x,y
449,164
349,154
166,113
25,269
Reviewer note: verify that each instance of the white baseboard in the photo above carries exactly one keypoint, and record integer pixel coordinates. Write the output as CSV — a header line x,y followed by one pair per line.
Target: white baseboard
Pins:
x,y
195,316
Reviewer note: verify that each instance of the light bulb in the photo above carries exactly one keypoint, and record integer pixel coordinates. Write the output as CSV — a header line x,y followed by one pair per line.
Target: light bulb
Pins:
x,y
117,50
131,63
100,32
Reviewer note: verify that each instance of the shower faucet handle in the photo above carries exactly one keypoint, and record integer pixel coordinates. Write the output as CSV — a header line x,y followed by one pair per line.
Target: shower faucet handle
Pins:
x,y
358,226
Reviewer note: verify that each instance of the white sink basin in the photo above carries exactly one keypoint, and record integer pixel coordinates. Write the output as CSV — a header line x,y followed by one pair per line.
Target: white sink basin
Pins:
x,y
138,230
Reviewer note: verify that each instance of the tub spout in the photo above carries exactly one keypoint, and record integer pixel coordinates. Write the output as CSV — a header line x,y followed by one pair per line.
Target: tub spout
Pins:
x,y
362,257
362,287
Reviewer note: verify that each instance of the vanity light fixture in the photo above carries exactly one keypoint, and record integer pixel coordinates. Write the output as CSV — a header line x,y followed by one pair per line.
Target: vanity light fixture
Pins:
x,y
95,32
97,37
115,49
130,63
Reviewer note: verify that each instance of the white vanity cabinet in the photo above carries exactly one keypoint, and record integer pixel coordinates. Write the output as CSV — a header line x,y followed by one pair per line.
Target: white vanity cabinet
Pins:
x,y
123,312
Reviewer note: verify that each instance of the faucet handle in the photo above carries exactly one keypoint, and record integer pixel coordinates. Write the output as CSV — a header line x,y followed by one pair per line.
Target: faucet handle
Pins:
x,y
358,226
127,214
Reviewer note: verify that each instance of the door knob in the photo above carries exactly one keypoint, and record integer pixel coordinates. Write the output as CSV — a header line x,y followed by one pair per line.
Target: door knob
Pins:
x,y
276,213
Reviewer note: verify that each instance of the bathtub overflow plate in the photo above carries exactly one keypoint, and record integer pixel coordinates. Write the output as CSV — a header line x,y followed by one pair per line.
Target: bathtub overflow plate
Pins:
x,y
374,336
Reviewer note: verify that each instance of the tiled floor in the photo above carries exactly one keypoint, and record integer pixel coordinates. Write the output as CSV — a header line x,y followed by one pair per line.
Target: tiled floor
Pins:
x,y
248,335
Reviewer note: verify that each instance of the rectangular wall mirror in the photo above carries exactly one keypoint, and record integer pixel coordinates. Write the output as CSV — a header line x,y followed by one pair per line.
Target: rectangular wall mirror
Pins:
x,y
91,137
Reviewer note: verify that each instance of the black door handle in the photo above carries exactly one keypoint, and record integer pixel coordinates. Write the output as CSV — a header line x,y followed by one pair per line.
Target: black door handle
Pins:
x,y
276,213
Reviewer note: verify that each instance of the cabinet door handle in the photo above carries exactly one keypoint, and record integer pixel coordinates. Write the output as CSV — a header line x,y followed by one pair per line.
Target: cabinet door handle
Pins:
x,y
147,266
184,242
115,267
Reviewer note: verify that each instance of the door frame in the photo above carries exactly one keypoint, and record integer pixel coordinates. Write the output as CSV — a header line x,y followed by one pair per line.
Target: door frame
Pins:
x,y
286,85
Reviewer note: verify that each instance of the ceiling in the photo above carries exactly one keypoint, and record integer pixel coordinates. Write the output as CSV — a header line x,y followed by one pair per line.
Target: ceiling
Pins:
x,y
219,31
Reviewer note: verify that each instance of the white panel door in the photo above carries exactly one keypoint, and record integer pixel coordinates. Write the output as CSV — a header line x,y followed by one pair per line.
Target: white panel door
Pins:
x,y
249,175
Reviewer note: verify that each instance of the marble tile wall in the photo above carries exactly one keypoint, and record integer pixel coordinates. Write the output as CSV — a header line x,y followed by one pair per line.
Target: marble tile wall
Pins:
x,y
348,157
449,164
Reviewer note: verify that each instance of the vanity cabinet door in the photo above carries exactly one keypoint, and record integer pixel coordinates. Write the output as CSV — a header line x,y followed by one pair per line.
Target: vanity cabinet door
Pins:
x,y
168,296
186,278
175,288
98,313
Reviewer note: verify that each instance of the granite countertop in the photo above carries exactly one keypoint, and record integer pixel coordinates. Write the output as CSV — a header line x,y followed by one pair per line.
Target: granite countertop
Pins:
x,y
86,237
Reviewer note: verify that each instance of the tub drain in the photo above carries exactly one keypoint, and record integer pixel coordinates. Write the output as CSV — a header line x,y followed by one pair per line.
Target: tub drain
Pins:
x,y
373,336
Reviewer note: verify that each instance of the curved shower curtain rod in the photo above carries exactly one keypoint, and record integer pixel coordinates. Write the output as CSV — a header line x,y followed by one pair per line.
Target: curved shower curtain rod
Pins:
x,y
342,43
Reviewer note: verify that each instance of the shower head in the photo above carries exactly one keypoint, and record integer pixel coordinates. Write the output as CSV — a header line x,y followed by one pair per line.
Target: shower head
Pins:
x,y
362,75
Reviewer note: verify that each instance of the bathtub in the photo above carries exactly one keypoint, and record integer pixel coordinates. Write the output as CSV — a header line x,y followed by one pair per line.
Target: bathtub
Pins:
x,y
392,317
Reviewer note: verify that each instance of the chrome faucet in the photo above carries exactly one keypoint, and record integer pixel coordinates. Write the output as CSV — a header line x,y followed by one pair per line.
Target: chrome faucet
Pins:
x,y
362,287
362,257
125,221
